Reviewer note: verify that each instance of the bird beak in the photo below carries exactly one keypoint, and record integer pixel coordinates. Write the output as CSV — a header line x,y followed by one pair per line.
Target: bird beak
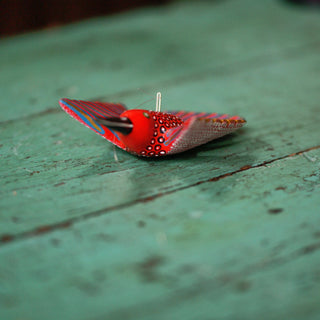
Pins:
x,y
121,124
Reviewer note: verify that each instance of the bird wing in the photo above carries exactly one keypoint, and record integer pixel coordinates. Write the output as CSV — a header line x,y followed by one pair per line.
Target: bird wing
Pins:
x,y
87,112
199,128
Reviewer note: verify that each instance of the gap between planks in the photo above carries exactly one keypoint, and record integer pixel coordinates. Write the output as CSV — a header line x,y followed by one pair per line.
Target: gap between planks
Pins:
x,y
230,69
8,238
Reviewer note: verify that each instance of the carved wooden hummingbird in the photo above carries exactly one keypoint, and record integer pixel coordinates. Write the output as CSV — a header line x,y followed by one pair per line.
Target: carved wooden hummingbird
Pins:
x,y
151,133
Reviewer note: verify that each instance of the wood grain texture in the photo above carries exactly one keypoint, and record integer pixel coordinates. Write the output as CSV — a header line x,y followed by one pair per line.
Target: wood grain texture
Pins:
x,y
229,230
52,158
237,246
151,49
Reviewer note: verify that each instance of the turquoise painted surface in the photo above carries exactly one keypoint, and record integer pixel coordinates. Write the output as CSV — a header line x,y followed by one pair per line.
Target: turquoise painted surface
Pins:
x,y
229,230
242,245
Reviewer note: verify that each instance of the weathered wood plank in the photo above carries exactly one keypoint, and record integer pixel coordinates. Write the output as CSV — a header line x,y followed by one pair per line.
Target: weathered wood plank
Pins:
x,y
51,158
242,246
148,49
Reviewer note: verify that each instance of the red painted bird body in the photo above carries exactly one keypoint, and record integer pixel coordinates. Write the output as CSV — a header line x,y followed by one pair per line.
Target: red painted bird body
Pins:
x,y
151,133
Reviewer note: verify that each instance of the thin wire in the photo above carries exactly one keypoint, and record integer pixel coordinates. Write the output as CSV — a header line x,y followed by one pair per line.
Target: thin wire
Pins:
x,y
141,104
158,102
115,154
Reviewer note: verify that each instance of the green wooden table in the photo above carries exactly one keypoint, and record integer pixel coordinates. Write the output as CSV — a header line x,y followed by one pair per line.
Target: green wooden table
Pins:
x,y
229,230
